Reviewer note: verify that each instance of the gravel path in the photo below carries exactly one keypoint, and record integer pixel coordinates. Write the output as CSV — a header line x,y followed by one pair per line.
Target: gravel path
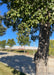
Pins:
x,y
23,62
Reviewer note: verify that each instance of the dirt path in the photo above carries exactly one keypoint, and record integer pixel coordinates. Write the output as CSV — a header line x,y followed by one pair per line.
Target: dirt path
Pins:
x,y
23,62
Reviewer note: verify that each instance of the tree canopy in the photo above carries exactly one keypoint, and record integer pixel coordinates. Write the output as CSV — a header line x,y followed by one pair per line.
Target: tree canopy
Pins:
x,y
23,40
29,13
28,16
11,42
2,29
3,44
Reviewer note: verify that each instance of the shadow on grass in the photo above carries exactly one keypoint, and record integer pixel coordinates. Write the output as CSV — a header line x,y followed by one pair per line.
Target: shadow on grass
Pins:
x,y
20,62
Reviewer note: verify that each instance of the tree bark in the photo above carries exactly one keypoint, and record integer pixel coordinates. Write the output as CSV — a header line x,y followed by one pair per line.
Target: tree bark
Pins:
x,y
41,56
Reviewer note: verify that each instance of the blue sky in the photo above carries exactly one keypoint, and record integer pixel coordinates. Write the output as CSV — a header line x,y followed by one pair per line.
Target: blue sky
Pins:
x,y
10,34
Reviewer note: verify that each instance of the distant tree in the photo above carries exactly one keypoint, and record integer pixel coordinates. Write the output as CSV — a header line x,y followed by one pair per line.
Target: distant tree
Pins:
x,y
23,40
0,44
3,44
11,42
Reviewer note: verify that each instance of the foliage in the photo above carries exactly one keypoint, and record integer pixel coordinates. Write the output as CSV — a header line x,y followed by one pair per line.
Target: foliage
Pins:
x,y
51,51
51,44
22,40
3,43
2,29
51,48
29,14
11,42
23,35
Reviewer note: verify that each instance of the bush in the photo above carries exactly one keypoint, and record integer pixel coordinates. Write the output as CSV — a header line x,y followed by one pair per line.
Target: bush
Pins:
x,y
51,51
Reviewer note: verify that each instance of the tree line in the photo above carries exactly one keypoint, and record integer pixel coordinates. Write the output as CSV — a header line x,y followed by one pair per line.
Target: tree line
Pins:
x,y
10,43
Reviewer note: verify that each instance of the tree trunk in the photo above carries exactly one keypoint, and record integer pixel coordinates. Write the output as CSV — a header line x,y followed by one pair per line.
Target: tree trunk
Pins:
x,y
33,49
41,56
24,49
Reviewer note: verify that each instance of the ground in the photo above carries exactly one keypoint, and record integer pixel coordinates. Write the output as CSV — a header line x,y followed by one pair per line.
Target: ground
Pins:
x,y
6,70
23,62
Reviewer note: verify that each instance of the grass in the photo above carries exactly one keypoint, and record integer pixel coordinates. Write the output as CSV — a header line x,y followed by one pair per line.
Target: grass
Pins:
x,y
51,51
6,70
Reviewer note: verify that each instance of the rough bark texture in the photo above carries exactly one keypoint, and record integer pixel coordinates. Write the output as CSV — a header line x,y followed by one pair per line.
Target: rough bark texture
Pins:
x,y
41,56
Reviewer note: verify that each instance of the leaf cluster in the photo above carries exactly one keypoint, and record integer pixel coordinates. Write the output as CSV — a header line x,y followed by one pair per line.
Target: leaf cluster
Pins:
x,y
2,29
26,14
3,43
11,42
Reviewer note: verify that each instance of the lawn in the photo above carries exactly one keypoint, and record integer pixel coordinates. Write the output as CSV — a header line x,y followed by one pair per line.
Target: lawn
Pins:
x,y
6,70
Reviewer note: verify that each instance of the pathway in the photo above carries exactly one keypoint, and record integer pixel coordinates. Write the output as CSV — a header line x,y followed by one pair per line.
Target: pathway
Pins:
x,y
24,63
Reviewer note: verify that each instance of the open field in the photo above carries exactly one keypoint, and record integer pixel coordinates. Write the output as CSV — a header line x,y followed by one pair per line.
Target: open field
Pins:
x,y
30,52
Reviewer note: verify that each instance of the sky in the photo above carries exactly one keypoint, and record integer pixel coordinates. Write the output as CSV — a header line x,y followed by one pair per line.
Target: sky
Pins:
x,y
10,34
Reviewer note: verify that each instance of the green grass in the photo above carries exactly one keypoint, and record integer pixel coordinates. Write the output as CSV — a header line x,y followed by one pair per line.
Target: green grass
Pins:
x,y
51,51
6,70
